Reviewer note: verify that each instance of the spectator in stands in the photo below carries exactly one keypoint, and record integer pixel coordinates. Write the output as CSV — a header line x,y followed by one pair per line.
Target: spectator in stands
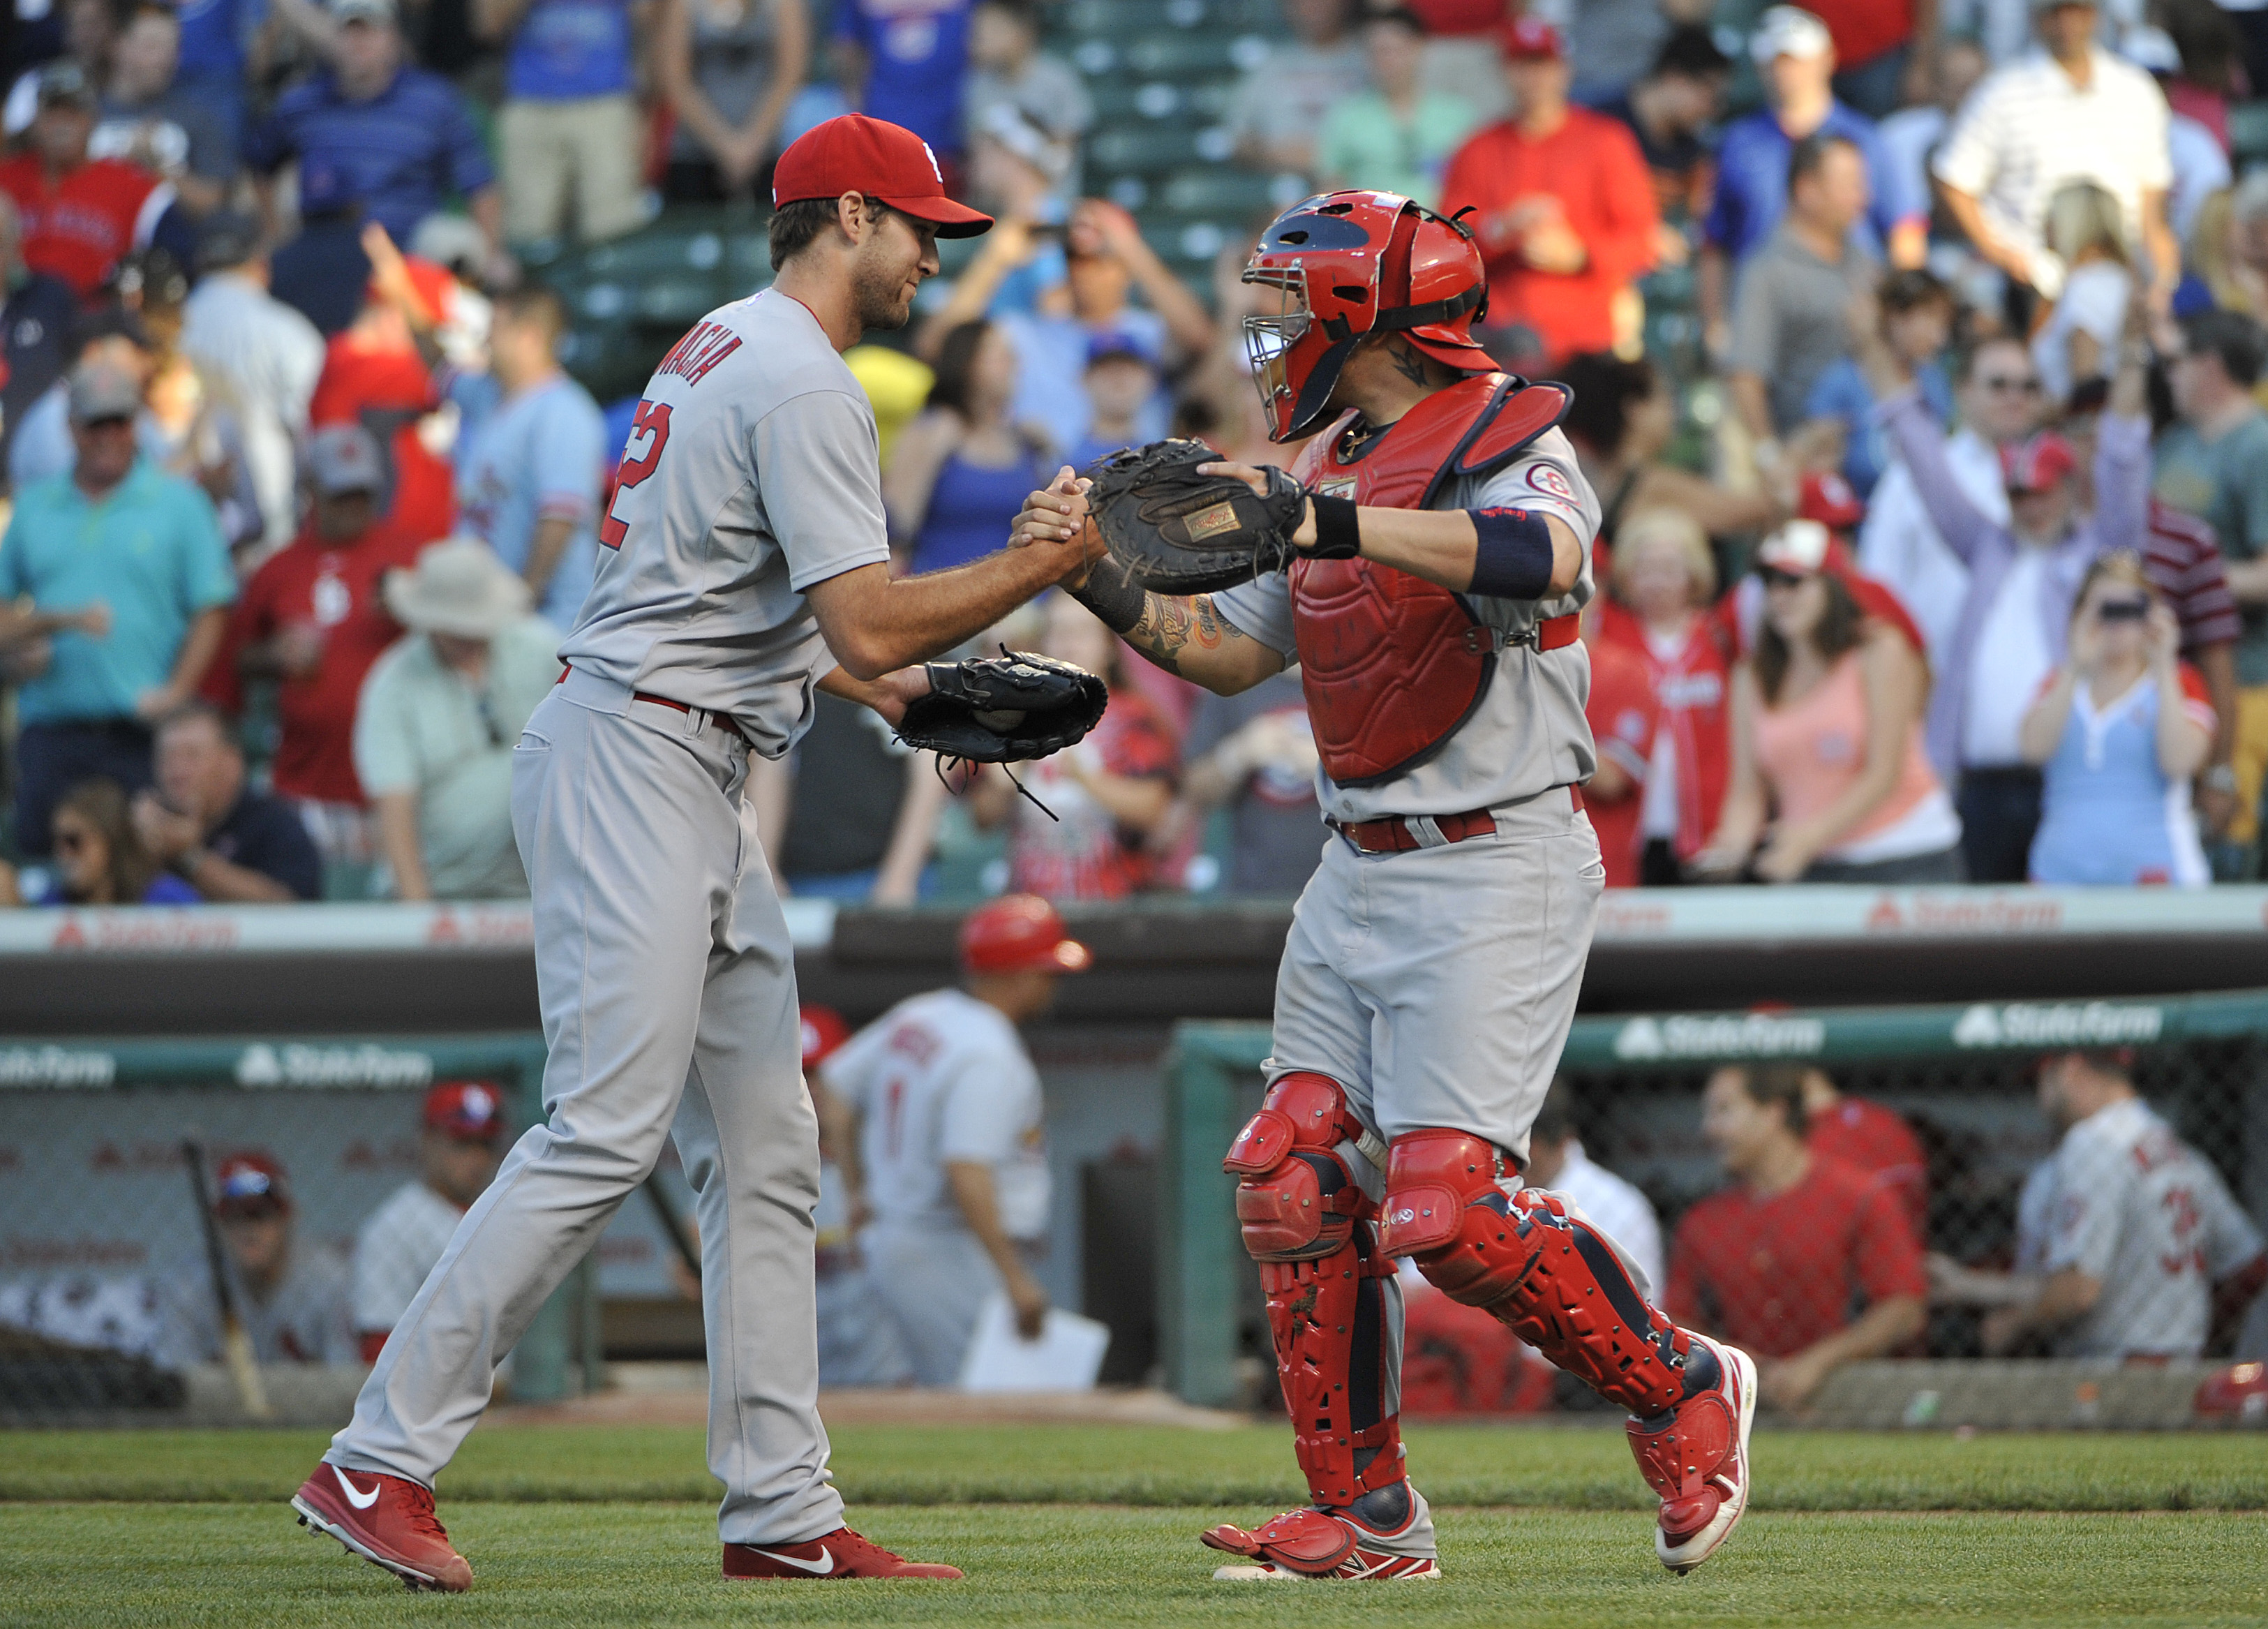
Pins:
x,y
1557,1160
1776,1262
2121,727
111,337
907,62
2000,400
1624,711
851,814
232,844
1008,66
403,136
1879,50
36,324
1255,754
116,533
1107,794
529,485
439,715
1566,212
2128,1246
1624,418
571,140
2183,564
98,859
2024,578
961,471
1867,1137
80,214
322,273
150,121
88,31
1122,381
1916,324
2228,248
262,357
2078,339
1679,97
1912,134
1397,134
291,1293
1282,100
313,620
1664,579
729,73
1829,780
1795,58
2072,112
1791,321
460,1143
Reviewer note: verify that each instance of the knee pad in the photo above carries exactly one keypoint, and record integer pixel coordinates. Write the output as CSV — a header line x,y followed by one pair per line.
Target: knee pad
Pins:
x,y
1547,1276
1299,1200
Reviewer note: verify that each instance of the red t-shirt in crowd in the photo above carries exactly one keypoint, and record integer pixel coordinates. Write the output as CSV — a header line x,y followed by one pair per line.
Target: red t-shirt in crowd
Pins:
x,y
1083,853
77,228
1777,1275
334,589
1873,1139
1862,30
387,393
1693,686
1623,712
1593,166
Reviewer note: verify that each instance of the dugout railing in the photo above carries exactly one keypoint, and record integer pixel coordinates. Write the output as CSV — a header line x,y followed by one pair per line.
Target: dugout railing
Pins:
x,y
1961,1075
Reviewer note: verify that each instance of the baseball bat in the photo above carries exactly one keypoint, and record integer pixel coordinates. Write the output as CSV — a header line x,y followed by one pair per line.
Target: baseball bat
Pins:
x,y
680,1235
235,1342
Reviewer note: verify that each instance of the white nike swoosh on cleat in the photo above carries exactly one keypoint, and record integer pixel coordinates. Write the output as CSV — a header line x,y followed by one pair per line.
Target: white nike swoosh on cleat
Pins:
x,y
822,1566
355,1497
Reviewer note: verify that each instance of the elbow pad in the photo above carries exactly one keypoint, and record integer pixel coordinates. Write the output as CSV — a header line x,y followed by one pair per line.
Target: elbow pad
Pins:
x,y
1513,558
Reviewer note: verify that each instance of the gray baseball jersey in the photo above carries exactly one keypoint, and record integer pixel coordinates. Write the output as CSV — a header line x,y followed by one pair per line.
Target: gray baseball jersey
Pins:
x,y
752,470
1529,733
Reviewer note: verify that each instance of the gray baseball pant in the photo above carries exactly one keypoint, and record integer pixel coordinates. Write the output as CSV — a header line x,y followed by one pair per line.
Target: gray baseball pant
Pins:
x,y
666,972
932,1281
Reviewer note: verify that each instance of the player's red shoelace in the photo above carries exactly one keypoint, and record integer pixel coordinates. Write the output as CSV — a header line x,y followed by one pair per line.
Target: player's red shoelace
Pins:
x,y
839,1554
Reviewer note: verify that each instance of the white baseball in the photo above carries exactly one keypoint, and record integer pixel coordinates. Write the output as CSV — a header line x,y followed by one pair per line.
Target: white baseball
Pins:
x,y
1000,721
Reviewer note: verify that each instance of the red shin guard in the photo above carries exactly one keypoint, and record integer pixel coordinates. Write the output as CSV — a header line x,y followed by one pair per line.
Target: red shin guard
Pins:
x,y
1552,1280
1306,1220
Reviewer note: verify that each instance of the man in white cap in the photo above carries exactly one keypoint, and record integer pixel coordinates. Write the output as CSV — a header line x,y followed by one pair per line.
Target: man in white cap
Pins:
x,y
440,711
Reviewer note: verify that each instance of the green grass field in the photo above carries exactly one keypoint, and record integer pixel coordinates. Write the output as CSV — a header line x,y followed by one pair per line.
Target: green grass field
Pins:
x,y
1062,1525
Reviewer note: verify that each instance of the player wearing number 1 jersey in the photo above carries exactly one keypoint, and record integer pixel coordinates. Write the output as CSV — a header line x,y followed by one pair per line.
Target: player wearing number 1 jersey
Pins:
x,y
743,563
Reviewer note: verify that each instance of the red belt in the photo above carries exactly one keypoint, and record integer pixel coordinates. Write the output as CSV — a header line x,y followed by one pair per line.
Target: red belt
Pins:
x,y
1392,833
723,721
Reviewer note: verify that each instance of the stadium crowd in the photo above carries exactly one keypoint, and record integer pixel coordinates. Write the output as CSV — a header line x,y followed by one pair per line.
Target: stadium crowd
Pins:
x,y
1934,537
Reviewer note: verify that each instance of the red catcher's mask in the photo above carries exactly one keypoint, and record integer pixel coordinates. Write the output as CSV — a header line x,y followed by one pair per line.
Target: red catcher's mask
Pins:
x,y
1344,264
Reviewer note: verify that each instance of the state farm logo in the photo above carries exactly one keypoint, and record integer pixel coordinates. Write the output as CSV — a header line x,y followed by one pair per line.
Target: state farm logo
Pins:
x,y
332,1065
1751,1034
53,1066
140,929
1958,913
2068,1023
472,928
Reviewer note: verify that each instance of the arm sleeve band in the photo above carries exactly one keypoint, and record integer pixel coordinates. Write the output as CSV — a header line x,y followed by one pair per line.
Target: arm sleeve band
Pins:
x,y
1338,531
1514,557
1111,594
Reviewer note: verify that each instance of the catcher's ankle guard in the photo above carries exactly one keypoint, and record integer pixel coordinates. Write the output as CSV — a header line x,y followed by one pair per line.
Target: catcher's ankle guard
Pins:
x,y
1552,1280
1305,1221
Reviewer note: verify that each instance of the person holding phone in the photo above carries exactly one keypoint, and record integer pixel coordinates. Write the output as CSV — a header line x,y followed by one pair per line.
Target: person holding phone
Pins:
x,y
2118,731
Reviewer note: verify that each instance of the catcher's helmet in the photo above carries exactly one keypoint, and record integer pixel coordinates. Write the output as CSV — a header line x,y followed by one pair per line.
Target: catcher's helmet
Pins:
x,y
1020,933
1344,264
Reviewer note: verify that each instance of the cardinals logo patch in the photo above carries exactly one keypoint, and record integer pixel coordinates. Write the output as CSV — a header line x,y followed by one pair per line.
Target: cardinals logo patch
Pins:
x,y
1547,479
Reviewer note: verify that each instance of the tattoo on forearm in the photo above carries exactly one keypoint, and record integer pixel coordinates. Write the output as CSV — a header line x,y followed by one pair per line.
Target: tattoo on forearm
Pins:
x,y
1169,626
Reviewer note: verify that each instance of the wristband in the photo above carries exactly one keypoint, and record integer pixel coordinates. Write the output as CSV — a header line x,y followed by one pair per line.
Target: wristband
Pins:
x,y
1338,533
1513,557
1113,595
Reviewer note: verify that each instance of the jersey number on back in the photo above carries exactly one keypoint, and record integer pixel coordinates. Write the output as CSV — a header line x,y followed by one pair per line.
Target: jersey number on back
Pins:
x,y
652,420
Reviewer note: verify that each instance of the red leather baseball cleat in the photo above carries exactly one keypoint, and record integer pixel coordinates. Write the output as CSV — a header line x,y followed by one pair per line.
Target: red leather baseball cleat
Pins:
x,y
1386,1534
387,1520
1697,1456
839,1554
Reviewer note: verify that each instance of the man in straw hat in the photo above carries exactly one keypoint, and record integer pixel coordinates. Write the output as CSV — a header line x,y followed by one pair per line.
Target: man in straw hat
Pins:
x,y
743,561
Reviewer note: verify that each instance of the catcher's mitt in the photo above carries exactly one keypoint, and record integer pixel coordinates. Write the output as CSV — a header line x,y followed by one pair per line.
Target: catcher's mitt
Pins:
x,y
1173,531
1004,709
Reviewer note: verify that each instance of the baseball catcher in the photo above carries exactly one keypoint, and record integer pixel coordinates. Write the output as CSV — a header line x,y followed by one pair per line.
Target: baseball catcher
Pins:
x,y
1438,552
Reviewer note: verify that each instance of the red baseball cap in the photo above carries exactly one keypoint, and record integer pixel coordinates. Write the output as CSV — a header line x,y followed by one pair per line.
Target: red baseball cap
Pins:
x,y
250,1184
468,1111
2038,463
854,153
823,1031
1020,933
1530,36
1827,497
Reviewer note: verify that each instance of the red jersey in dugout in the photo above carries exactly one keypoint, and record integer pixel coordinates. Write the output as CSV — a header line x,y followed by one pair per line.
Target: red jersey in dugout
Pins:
x,y
1623,714
1872,1138
77,228
336,590
391,394
1778,1274
1391,664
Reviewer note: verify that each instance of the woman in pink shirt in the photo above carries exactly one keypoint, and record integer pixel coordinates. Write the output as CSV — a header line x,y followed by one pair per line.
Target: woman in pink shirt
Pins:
x,y
1829,780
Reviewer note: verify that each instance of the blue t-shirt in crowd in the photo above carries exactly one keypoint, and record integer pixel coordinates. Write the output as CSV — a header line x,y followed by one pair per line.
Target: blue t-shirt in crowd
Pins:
x,y
1051,353
1752,183
570,49
151,550
404,153
541,454
266,835
213,33
1842,393
165,889
972,510
918,56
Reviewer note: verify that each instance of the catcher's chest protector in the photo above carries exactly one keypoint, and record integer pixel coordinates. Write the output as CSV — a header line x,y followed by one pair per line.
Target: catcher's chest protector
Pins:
x,y
1391,664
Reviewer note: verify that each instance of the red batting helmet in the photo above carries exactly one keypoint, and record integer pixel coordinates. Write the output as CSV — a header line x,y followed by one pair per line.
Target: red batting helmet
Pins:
x,y
250,1184
1020,933
471,1111
1344,264
823,1030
